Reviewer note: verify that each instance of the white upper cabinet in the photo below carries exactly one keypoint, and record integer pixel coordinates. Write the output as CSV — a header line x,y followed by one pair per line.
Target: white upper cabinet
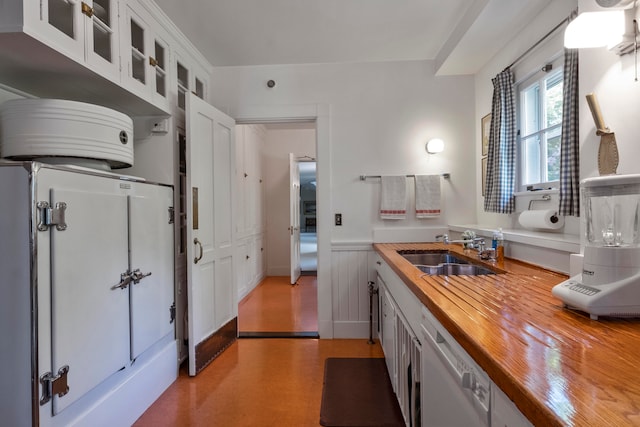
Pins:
x,y
122,54
145,56
190,77
86,31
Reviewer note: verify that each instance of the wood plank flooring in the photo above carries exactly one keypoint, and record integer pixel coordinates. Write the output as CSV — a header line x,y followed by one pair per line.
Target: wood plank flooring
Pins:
x,y
260,382
276,306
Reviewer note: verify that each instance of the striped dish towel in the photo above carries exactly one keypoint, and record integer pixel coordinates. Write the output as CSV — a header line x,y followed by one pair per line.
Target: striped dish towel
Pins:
x,y
393,197
427,196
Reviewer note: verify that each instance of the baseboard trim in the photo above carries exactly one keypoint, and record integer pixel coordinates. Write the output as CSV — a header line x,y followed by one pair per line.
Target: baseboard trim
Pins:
x,y
278,335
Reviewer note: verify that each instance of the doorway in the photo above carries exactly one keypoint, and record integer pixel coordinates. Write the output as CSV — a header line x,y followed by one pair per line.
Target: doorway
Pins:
x,y
271,291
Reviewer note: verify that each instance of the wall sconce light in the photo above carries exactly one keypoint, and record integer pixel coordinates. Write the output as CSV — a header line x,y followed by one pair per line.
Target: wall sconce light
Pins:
x,y
434,146
614,29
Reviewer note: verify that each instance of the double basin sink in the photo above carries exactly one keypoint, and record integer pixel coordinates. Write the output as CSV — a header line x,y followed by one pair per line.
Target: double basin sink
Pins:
x,y
443,263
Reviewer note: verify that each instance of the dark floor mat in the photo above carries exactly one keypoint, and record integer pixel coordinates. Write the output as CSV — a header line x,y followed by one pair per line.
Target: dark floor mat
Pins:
x,y
358,392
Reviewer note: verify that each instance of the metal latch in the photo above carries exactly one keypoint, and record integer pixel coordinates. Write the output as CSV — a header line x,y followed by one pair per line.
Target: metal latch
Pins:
x,y
129,277
172,215
52,216
172,313
54,385
137,275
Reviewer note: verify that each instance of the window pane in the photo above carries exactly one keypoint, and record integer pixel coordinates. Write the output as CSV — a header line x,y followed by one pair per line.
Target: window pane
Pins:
x,y
553,99
529,109
553,154
531,163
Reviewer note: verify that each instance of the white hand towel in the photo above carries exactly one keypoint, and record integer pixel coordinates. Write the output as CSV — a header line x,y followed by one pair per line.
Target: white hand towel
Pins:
x,y
393,197
427,196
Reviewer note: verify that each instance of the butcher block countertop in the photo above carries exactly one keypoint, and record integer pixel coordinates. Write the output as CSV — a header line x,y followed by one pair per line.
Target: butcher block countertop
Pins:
x,y
558,366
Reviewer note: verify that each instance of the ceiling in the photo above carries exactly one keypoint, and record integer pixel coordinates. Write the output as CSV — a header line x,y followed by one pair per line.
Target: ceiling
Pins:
x,y
459,35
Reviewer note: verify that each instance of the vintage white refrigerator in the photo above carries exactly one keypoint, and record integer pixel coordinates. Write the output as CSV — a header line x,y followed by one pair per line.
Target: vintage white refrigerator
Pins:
x,y
86,295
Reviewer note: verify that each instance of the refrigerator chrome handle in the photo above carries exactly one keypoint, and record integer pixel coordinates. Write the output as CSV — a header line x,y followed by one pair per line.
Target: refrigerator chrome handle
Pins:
x,y
125,280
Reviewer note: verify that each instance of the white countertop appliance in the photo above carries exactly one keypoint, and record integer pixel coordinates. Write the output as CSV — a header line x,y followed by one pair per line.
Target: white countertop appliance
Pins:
x,y
609,284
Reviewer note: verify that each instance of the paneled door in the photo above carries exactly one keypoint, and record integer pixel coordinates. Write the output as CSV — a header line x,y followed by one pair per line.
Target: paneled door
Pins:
x,y
294,218
211,288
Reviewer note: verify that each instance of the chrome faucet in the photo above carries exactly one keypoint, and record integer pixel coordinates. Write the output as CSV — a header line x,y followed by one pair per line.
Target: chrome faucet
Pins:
x,y
444,237
478,243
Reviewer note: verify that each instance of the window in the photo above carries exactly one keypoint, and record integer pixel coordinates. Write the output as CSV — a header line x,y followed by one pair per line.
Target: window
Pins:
x,y
540,128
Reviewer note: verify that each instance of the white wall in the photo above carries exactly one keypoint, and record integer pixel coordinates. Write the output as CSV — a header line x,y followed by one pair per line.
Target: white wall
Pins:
x,y
275,161
612,79
373,119
381,116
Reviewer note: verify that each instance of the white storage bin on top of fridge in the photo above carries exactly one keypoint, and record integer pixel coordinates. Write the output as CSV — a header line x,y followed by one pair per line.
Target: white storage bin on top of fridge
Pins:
x,y
61,131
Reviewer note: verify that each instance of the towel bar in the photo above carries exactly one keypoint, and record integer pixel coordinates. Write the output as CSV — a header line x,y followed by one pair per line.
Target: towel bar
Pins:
x,y
364,177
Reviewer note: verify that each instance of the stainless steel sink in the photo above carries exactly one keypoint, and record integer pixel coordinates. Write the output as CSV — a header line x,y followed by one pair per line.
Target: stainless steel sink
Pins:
x,y
443,263
431,258
454,270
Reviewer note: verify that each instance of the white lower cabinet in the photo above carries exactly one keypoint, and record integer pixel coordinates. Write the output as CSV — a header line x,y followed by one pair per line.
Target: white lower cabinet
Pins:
x,y
87,260
401,348
388,330
436,382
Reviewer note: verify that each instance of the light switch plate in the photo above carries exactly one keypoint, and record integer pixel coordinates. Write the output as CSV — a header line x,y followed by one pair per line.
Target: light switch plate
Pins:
x,y
338,219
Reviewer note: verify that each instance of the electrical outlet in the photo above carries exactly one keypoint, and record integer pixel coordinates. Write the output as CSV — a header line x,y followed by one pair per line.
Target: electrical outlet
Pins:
x,y
338,219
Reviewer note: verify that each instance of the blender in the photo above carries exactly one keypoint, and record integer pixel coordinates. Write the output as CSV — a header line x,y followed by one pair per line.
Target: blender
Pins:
x,y
609,284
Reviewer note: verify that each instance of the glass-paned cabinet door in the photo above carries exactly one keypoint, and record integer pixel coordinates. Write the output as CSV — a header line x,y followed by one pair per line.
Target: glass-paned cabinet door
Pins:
x,y
101,33
137,51
159,62
199,89
82,30
61,26
183,83
146,56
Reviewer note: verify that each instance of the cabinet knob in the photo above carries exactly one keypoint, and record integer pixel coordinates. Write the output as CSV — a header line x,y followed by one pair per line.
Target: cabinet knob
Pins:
x,y
153,62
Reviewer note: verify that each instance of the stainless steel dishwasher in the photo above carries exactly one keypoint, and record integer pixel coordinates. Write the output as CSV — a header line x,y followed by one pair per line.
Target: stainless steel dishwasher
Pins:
x,y
455,390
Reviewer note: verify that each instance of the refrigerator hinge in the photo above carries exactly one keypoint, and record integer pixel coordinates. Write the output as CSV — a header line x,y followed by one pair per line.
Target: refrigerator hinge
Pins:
x,y
172,215
51,216
54,385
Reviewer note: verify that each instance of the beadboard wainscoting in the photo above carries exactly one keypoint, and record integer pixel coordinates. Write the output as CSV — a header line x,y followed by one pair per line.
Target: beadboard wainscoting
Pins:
x,y
351,270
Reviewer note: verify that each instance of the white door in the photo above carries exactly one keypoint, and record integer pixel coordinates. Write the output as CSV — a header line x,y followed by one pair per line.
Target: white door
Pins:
x,y
90,317
294,217
151,253
210,240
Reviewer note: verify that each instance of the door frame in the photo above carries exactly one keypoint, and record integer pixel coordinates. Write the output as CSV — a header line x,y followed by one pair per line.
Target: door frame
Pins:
x,y
320,114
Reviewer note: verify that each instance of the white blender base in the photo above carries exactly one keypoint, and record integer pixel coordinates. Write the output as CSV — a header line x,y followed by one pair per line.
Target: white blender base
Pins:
x,y
616,299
